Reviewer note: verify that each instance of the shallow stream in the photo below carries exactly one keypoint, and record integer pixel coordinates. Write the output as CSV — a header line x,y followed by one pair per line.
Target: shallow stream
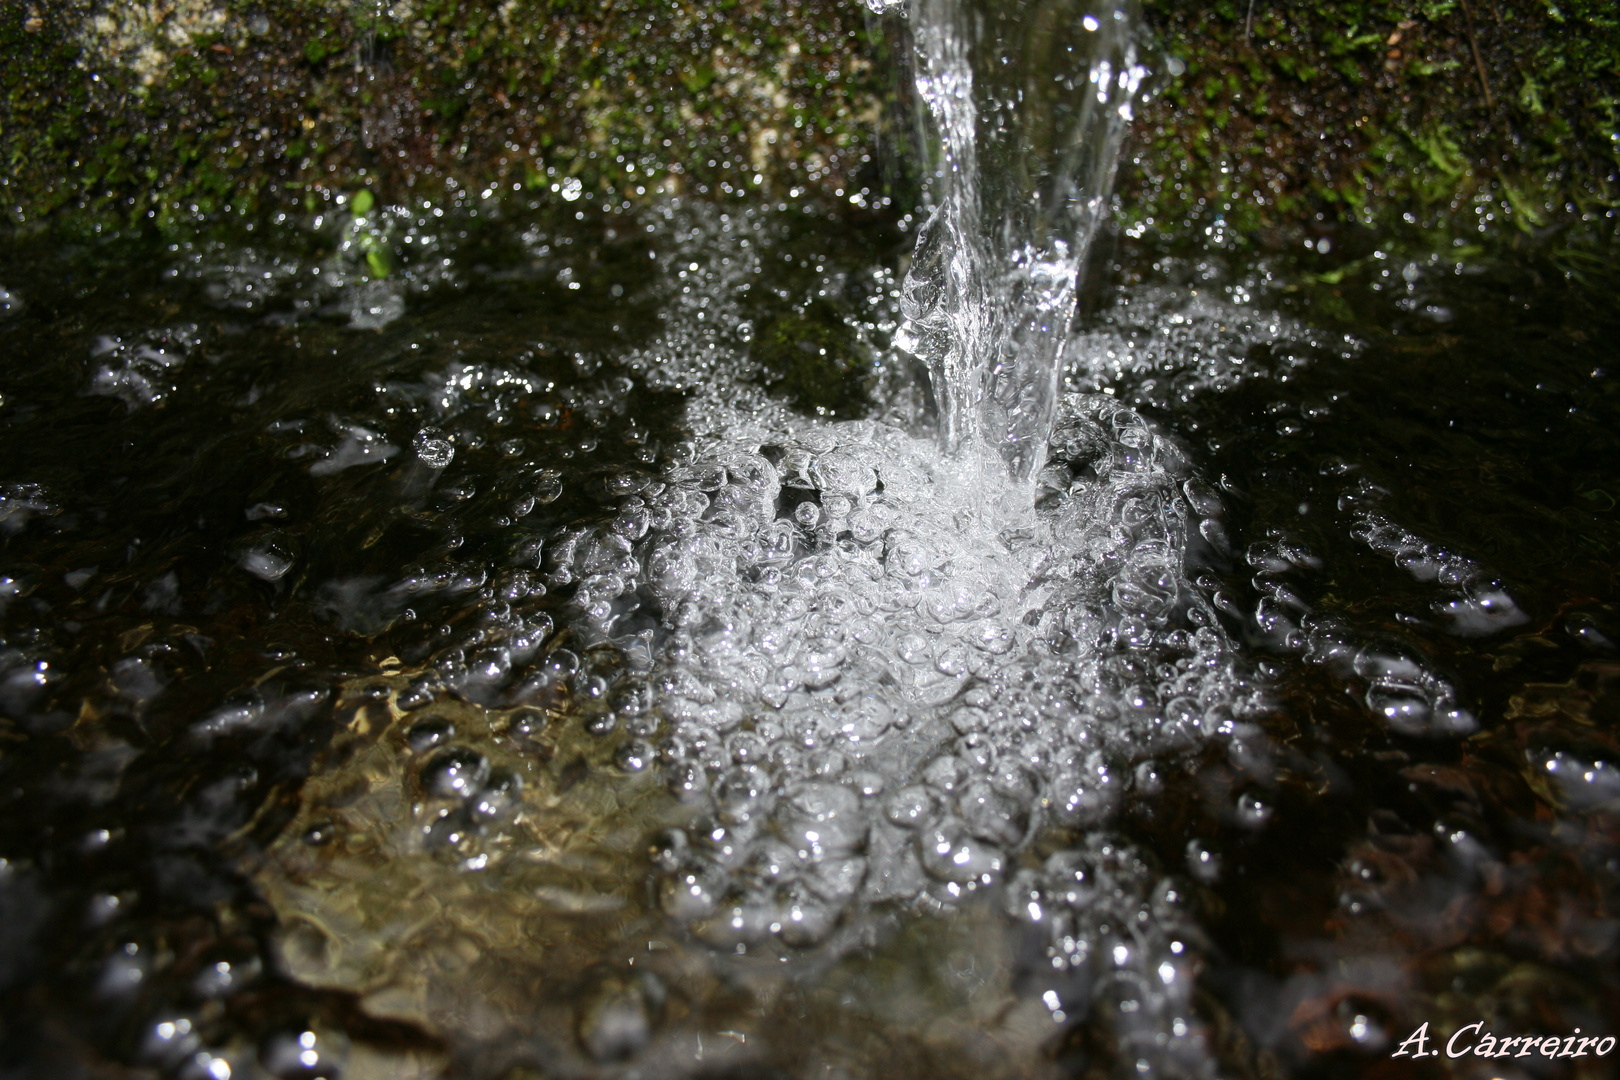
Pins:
x,y
573,655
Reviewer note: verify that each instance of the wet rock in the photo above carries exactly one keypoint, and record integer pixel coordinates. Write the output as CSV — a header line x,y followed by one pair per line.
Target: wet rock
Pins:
x,y
814,360
329,97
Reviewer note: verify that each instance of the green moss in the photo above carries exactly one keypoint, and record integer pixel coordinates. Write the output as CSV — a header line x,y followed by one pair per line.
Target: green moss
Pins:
x,y
814,360
325,95
1318,111
1377,112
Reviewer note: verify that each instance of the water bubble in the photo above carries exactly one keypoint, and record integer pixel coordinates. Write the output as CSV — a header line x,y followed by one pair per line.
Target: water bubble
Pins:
x,y
1584,783
1203,863
223,977
420,693
456,773
1148,780
866,784
238,714
360,446
310,1053
691,893
268,562
206,1065
822,819
319,834
1485,612
826,764
991,815
803,918
911,807
617,1013
432,451
952,854
169,1040
687,781
498,795
1252,811
426,734
635,755
1407,713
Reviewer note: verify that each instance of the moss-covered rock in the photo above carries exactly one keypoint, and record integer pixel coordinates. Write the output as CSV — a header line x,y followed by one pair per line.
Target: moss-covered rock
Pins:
x,y
1483,116
1468,115
129,109
815,360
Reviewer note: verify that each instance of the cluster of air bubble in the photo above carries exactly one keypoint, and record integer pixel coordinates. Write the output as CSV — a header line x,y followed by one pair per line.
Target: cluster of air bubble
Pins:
x,y
1171,342
381,255
717,259
20,504
851,650
872,687
875,674
1117,931
1401,688
1475,604
723,261
140,369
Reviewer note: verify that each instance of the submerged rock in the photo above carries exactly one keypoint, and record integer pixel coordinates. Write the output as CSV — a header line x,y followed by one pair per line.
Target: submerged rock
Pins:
x,y
814,359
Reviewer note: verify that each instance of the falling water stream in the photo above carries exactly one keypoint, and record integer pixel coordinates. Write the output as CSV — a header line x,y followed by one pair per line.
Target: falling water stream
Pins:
x,y
1156,663
1029,103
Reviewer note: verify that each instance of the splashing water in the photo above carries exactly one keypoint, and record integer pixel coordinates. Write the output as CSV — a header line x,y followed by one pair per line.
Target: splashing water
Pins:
x,y
875,677
1030,101
858,675
842,681
874,674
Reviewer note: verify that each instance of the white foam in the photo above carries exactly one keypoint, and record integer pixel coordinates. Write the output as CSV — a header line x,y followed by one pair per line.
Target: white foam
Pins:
x,y
884,701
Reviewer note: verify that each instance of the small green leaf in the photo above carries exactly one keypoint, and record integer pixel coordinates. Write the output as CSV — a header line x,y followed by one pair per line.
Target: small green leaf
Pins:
x,y
378,263
364,200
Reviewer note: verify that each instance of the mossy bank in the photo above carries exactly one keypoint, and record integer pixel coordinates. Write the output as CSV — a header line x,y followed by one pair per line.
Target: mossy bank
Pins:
x,y
1469,116
166,110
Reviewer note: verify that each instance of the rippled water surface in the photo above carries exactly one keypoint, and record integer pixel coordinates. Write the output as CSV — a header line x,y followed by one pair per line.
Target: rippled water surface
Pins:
x,y
572,656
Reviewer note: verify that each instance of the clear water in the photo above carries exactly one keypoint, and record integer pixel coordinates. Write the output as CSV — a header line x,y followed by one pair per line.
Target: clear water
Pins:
x,y
495,671
1028,103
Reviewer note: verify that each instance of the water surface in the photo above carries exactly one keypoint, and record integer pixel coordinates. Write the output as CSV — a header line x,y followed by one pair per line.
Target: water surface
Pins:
x,y
341,737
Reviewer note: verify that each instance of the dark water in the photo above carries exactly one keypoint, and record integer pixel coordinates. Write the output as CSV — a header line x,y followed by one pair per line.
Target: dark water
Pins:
x,y
266,526
1468,445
